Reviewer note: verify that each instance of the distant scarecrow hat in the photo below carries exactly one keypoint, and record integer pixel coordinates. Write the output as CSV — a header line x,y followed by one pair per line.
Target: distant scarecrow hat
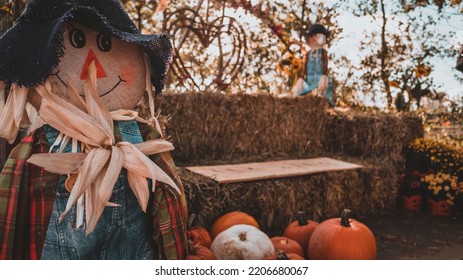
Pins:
x,y
317,29
32,48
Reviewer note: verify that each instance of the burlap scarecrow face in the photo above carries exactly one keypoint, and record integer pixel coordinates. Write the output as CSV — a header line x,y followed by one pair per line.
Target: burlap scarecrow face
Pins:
x,y
53,44
121,73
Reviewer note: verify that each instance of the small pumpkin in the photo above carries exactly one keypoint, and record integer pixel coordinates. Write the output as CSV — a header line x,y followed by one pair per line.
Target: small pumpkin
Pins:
x,y
230,219
199,252
197,234
440,208
342,239
300,230
413,203
281,256
287,245
242,242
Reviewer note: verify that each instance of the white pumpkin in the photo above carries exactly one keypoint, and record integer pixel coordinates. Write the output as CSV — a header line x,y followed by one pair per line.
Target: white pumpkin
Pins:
x,y
242,242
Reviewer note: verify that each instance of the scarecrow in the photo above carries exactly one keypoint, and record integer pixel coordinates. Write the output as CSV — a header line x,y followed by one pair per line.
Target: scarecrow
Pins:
x,y
316,65
96,181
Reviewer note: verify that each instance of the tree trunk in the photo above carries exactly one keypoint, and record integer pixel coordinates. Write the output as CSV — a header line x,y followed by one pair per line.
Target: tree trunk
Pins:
x,y
384,56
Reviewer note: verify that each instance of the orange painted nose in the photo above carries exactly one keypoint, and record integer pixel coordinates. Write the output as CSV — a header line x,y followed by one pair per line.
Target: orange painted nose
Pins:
x,y
100,73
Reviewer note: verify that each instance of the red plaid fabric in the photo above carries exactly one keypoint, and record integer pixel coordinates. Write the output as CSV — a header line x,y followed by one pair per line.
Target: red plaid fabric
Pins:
x,y
26,200
169,210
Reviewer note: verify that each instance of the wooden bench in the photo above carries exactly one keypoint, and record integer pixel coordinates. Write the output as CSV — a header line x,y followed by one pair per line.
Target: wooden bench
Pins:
x,y
246,172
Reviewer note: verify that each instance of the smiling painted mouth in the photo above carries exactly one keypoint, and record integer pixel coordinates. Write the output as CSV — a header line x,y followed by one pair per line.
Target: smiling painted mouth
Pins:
x,y
115,86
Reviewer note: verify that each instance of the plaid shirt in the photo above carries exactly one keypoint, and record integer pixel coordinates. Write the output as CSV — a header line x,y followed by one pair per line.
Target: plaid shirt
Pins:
x,y
27,194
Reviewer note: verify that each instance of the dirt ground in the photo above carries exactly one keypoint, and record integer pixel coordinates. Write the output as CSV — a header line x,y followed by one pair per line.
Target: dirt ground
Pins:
x,y
403,235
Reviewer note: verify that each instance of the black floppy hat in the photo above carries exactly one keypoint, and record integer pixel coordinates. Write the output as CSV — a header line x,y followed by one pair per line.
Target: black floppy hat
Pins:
x,y
316,29
32,48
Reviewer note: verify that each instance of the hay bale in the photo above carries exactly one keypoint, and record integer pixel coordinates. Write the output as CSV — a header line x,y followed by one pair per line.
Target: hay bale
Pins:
x,y
214,128
362,135
240,128
415,128
274,203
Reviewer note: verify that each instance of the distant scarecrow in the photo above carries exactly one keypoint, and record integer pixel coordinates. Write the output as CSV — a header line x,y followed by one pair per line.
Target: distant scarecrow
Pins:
x,y
316,65
96,181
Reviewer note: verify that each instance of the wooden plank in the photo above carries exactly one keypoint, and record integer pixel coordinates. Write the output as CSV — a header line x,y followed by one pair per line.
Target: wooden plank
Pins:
x,y
234,173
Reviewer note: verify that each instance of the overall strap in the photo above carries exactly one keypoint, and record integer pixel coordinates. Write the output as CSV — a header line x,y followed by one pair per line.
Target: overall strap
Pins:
x,y
130,132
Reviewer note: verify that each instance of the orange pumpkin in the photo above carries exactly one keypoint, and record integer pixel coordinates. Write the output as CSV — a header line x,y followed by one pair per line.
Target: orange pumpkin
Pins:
x,y
281,255
300,230
439,208
197,234
199,252
287,245
342,239
413,203
230,219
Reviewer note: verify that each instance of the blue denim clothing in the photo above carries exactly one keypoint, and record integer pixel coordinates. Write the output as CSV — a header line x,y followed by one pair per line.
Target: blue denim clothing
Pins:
x,y
122,232
314,71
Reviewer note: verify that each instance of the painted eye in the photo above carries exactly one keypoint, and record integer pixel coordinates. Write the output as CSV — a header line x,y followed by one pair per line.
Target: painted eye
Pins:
x,y
77,38
104,42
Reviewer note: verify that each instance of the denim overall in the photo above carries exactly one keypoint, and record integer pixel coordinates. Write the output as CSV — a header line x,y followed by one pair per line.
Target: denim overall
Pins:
x,y
122,232
314,73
